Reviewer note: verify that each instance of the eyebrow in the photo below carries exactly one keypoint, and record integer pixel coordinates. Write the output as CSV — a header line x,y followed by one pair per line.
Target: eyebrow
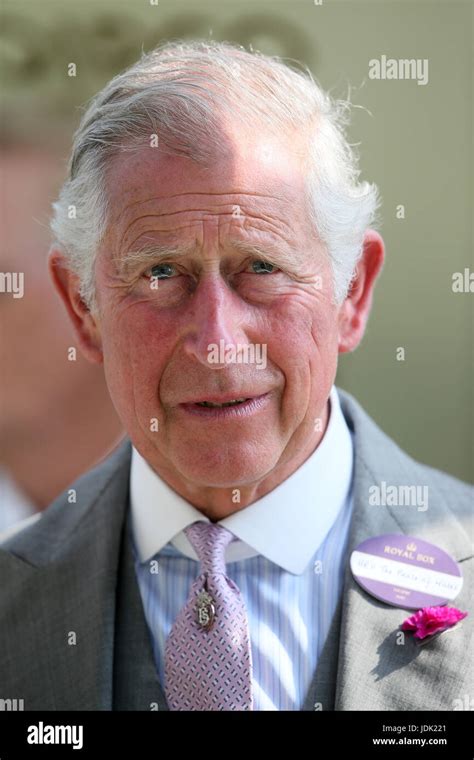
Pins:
x,y
153,252
159,252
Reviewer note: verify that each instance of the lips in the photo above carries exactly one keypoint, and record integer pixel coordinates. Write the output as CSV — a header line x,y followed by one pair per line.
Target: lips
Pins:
x,y
230,399
231,407
213,405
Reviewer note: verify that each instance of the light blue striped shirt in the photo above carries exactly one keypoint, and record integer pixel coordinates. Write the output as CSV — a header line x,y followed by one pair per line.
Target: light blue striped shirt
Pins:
x,y
288,562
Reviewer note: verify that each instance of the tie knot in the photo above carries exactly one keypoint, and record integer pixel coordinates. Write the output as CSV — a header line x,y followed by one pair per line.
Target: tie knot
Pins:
x,y
209,542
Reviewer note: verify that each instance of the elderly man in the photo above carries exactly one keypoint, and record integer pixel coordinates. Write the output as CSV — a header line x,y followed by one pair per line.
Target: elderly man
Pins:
x,y
214,251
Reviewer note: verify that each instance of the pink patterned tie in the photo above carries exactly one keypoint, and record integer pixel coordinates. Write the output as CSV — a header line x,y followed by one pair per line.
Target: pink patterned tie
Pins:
x,y
208,663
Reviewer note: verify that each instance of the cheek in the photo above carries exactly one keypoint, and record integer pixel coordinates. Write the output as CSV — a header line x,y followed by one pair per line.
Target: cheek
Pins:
x,y
136,344
304,347
303,335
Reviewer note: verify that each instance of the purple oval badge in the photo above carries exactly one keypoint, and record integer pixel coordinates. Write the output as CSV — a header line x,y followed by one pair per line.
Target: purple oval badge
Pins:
x,y
405,571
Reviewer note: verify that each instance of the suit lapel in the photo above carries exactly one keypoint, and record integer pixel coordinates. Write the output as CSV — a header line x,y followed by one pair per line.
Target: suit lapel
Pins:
x,y
136,684
378,669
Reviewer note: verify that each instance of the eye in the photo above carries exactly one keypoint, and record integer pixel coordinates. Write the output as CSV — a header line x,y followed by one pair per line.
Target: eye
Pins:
x,y
161,271
263,267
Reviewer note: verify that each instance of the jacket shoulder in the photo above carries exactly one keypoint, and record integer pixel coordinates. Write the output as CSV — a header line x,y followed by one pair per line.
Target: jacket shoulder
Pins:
x,y
45,533
383,459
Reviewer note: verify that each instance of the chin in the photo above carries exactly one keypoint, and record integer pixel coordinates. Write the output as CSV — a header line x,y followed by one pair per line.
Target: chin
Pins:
x,y
225,471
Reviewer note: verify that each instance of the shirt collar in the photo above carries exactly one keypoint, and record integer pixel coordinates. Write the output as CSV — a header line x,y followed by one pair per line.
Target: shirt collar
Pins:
x,y
287,525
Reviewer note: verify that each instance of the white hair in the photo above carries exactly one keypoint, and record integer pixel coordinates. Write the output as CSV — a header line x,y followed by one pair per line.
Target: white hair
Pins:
x,y
181,91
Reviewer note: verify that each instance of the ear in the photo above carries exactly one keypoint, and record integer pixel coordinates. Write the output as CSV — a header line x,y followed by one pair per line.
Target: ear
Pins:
x,y
355,310
84,323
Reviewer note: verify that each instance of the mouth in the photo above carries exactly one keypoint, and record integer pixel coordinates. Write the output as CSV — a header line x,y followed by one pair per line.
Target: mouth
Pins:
x,y
214,405
222,408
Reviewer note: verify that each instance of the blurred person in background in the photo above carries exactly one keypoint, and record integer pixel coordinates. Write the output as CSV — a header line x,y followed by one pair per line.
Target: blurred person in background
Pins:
x,y
56,417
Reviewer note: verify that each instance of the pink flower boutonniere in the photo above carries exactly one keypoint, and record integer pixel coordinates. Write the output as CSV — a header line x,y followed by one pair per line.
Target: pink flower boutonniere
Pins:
x,y
432,620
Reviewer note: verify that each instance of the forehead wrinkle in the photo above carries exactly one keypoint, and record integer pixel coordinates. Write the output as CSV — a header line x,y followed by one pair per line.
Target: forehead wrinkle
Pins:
x,y
272,223
254,196
124,235
156,242
246,213
208,192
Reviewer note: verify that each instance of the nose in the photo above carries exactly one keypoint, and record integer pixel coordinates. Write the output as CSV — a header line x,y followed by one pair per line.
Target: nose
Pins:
x,y
216,319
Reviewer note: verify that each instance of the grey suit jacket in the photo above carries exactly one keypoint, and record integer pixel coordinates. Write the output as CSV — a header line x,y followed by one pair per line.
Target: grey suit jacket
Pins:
x,y
73,634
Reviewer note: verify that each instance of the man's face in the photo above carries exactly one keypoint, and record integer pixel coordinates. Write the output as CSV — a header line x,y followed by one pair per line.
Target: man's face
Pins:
x,y
158,318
